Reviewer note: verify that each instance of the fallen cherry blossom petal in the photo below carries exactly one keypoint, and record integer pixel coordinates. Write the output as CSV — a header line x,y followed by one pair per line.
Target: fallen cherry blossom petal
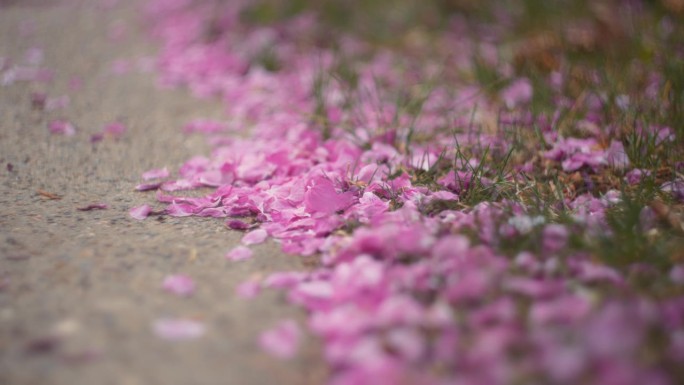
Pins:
x,y
676,188
254,237
38,100
519,92
178,329
120,67
117,31
34,56
115,129
178,284
322,197
140,212
677,274
156,173
282,341
61,127
239,253
249,288
75,83
235,224
27,74
416,284
57,103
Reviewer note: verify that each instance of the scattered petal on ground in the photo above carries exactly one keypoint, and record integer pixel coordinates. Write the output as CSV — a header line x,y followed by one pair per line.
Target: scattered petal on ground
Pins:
x,y
38,100
254,237
235,224
482,240
62,127
179,284
140,212
282,341
239,253
677,274
249,288
177,329
156,173
56,103
115,129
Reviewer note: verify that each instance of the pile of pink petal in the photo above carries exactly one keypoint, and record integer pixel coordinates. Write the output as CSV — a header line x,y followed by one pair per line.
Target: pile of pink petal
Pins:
x,y
403,296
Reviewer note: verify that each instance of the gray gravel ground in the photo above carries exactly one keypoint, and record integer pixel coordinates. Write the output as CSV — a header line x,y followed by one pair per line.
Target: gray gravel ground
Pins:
x,y
80,290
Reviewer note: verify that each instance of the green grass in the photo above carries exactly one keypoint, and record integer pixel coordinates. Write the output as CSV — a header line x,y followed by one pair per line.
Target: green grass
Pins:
x,y
601,49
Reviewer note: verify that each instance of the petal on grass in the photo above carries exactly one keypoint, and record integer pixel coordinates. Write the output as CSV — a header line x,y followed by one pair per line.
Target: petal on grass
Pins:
x,y
677,274
322,197
519,92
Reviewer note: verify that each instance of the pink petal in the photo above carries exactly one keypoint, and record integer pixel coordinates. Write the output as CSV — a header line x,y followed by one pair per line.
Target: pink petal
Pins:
x,y
235,224
239,253
156,173
284,279
140,212
519,92
115,129
254,237
120,66
281,341
178,329
38,100
181,285
61,127
322,197
75,83
249,288
96,137
34,56
677,274
57,103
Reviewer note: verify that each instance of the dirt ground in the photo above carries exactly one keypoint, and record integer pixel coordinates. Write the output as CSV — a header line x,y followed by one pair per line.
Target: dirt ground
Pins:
x,y
80,290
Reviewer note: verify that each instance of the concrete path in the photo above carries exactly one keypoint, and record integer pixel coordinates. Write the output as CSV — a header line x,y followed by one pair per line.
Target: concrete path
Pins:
x,y
80,290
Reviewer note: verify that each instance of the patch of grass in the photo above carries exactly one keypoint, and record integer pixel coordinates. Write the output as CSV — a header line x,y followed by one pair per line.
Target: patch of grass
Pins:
x,y
627,58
